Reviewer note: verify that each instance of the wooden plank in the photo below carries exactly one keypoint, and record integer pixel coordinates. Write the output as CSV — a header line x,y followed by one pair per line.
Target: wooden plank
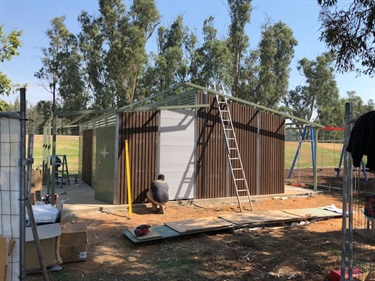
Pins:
x,y
3,259
186,227
152,233
261,217
313,213
163,231
199,224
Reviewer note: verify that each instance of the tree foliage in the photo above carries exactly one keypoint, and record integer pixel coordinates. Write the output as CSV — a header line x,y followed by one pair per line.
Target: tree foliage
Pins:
x,y
107,62
318,99
168,66
212,59
238,41
9,44
265,71
359,107
113,46
61,73
349,33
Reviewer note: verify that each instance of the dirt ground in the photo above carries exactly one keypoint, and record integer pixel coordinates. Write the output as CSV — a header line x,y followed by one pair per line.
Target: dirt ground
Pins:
x,y
306,252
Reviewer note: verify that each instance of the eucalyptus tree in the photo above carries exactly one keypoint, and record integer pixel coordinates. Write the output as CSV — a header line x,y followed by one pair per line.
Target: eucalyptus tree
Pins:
x,y
238,41
213,59
169,65
359,107
348,31
276,51
9,45
318,99
250,76
113,45
91,41
61,72
43,111
190,46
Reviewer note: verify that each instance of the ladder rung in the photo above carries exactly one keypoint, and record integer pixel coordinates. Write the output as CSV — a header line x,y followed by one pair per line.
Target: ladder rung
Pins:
x,y
236,169
228,129
231,148
230,138
236,158
242,190
241,179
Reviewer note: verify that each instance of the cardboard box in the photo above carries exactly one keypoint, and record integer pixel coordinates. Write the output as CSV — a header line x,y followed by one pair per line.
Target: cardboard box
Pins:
x,y
36,180
73,242
49,236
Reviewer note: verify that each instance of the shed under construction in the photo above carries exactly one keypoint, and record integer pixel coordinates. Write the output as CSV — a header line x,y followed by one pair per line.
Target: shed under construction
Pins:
x,y
191,134
181,133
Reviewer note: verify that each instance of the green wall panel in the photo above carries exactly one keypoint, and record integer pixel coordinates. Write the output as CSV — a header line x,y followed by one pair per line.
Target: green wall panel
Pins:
x,y
104,172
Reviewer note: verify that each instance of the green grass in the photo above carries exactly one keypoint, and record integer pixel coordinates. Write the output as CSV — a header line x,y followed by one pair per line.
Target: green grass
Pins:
x,y
65,145
328,153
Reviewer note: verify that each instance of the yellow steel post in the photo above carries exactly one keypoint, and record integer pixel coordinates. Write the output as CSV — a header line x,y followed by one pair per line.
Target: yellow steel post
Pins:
x,y
128,178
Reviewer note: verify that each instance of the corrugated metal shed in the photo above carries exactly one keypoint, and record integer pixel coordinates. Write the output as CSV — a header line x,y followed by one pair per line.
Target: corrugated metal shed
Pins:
x,y
259,130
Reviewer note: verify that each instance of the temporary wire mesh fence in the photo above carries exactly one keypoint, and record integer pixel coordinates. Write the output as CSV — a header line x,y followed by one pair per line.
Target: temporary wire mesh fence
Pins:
x,y
9,190
364,224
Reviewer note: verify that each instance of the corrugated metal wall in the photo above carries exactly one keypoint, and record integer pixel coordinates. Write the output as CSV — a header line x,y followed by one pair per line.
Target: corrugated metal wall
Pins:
x,y
264,168
272,136
87,156
260,137
211,170
245,123
141,130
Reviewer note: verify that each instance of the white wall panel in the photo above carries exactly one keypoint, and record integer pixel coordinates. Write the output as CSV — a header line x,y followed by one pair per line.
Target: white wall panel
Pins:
x,y
177,152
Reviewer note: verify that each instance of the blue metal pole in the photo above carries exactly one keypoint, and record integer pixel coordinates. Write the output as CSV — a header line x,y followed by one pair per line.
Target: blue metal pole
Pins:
x,y
297,152
338,169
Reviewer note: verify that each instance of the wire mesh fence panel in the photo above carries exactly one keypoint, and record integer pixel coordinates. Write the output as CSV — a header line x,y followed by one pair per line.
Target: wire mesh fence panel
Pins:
x,y
9,193
364,223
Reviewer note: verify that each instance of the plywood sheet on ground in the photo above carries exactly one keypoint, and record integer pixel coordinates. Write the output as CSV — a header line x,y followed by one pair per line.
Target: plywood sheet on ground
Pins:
x,y
313,213
162,231
260,218
200,224
152,233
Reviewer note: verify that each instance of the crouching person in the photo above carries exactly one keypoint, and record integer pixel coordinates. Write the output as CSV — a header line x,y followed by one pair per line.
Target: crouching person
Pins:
x,y
158,195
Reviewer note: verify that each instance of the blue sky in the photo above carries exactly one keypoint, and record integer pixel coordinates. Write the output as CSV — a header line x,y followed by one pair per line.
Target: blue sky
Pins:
x,y
33,18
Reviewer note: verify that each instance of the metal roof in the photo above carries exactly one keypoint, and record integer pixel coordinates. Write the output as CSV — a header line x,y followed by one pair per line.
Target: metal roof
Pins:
x,y
176,97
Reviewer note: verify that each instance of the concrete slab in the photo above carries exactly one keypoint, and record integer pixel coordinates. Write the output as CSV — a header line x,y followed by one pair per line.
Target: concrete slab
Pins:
x,y
80,197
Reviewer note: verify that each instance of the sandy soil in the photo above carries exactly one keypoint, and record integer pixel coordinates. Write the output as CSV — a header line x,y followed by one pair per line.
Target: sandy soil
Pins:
x,y
306,252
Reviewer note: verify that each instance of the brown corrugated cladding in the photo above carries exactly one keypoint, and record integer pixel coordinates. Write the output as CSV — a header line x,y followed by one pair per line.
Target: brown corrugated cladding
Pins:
x,y
272,141
141,130
264,171
245,124
212,172
87,157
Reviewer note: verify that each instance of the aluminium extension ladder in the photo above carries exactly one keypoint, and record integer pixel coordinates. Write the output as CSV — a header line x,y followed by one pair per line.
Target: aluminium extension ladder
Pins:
x,y
63,173
233,153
